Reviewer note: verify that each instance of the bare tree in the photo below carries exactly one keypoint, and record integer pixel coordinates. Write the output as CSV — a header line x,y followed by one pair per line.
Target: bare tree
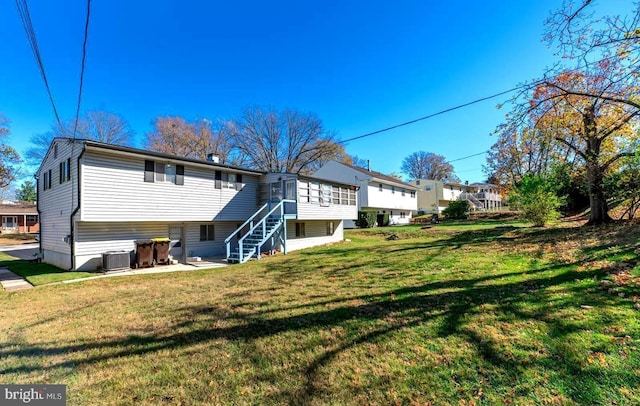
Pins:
x,y
175,135
9,158
284,141
359,162
427,165
99,126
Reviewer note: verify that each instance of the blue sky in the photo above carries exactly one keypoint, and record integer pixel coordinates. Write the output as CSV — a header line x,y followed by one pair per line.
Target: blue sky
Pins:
x,y
359,65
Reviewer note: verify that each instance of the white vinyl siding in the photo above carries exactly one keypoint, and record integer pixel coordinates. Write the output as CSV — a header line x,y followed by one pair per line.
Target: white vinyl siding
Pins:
x,y
196,248
113,189
57,203
389,199
315,234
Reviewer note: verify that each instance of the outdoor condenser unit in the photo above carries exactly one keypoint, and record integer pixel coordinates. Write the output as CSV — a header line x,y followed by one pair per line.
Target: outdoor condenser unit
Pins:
x,y
114,260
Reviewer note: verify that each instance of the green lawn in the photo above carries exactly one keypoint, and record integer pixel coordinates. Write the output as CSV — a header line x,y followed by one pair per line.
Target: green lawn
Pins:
x,y
497,313
38,273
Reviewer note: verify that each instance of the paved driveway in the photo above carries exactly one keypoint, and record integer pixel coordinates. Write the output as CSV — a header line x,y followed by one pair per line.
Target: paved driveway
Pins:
x,y
22,251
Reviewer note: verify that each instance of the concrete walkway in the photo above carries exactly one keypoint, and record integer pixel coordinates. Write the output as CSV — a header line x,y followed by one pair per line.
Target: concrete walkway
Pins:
x,y
191,266
12,282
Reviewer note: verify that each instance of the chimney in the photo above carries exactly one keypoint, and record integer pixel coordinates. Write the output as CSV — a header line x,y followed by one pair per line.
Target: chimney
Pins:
x,y
368,165
213,158
466,182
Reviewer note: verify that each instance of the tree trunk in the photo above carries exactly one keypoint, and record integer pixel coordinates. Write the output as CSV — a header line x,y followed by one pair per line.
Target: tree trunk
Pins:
x,y
595,173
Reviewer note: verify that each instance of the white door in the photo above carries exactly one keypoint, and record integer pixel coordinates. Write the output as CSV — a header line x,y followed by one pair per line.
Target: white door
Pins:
x,y
175,246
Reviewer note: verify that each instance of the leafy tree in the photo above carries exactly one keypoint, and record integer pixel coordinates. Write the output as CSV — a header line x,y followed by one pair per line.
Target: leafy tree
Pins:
x,y
284,141
537,197
99,126
457,210
427,165
26,192
624,187
521,151
9,157
590,107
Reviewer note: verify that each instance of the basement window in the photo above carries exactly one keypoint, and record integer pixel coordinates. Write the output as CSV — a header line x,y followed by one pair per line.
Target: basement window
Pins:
x,y
299,229
330,228
207,232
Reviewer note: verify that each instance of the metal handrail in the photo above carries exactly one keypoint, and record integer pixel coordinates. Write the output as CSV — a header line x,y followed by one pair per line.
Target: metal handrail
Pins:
x,y
226,240
260,223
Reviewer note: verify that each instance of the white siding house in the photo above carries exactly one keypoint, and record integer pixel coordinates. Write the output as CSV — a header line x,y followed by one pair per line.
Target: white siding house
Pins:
x,y
434,196
377,191
95,197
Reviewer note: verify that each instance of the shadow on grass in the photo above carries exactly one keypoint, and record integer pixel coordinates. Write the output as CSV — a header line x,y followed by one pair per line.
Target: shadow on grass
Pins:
x,y
447,304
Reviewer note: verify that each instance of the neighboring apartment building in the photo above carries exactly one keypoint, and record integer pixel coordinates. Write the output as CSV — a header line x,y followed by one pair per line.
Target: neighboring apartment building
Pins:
x,y
377,191
434,196
95,197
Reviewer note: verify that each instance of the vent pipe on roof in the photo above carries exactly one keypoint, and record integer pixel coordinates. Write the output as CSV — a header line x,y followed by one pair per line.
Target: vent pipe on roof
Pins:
x,y
368,165
213,158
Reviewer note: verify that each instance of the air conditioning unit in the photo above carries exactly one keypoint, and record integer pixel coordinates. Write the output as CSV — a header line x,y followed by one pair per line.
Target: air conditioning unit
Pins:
x,y
114,260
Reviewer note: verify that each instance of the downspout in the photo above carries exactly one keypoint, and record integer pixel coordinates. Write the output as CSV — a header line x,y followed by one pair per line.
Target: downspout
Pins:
x,y
73,213
39,215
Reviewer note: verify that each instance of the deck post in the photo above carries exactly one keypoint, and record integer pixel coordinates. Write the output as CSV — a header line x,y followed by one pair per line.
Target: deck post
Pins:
x,y
284,241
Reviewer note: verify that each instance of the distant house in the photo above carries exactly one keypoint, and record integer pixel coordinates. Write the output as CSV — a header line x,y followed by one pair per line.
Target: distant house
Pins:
x,y
20,217
96,197
434,196
377,191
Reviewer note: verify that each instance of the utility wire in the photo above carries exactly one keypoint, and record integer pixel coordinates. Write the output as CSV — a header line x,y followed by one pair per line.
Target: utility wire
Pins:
x,y
437,113
468,156
25,17
523,86
82,66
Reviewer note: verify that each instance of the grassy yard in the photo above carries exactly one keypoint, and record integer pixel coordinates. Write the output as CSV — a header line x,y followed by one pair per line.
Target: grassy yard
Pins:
x,y
38,273
493,313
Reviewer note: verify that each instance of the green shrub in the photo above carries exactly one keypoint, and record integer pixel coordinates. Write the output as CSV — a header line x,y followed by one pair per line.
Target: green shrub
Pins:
x,y
385,219
457,209
367,218
537,197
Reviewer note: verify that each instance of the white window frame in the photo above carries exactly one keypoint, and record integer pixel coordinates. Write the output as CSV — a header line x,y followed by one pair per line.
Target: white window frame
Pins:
x,y
14,222
229,180
330,228
326,193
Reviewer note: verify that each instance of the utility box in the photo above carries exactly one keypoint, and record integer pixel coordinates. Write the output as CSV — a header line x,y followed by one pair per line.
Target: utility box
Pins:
x,y
161,250
144,253
115,260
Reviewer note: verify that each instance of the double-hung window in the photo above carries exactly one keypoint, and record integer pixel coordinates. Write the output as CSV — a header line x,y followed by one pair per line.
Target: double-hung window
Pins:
x,y
161,172
226,180
46,180
65,170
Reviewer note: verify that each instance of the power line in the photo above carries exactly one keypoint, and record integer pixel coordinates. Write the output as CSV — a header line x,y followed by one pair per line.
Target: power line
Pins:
x,y
25,17
468,156
437,113
523,86
82,66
